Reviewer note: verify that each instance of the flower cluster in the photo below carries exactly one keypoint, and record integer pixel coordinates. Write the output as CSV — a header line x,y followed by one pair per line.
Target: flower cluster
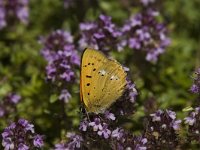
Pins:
x,y
9,10
102,34
196,85
97,132
161,128
21,135
8,104
74,142
143,32
121,139
102,127
193,121
101,133
62,58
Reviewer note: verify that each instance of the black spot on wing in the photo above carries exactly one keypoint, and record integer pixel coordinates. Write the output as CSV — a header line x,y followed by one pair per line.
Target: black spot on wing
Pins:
x,y
88,84
87,76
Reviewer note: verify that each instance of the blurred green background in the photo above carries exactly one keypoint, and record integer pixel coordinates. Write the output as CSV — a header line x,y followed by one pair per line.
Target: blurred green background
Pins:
x,y
166,83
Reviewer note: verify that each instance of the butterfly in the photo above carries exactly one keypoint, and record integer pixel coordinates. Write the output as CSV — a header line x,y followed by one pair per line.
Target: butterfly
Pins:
x,y
102,81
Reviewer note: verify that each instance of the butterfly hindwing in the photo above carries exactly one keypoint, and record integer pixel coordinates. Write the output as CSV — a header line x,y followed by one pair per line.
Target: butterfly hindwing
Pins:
x,y
114,85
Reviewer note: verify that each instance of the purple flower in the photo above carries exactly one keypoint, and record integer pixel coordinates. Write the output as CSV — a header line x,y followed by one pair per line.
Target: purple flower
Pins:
x,y
38,141
73,143
7,144
176,124
76,141
62,59
3,22
23,15
171,114
2,111
21,136
118,133
147,2
23,147
156,116
190,120
65,96
141,143
12,98
84,125
143,32
193,121
61,56
102,129
15,10
96,124
132,91
195,88
8,104
102,34
109,115
129,141
61,146
105,132
26,125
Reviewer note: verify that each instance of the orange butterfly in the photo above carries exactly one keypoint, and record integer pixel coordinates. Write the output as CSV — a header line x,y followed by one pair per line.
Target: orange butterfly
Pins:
x,y
102,81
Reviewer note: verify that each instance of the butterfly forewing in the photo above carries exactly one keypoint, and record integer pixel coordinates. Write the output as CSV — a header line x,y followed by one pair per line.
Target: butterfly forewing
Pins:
x,y
102,81
91,61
